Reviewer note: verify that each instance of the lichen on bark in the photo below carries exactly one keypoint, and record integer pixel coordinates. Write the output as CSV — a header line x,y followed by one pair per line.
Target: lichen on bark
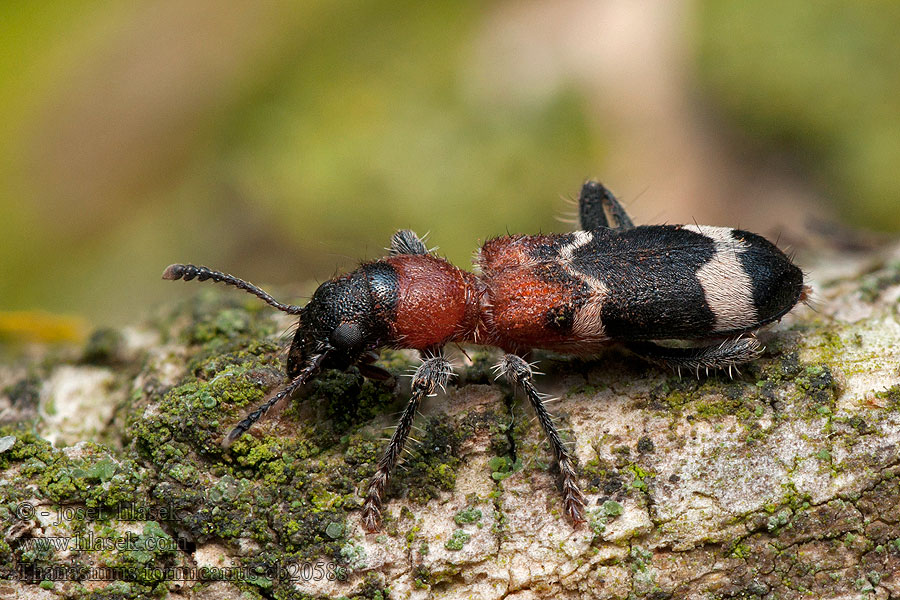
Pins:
x,y
781,482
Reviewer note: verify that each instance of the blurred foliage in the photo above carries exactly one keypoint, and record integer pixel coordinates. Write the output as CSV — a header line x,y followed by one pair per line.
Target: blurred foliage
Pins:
x,y
284,141
820,80
38,326
381,130
348,121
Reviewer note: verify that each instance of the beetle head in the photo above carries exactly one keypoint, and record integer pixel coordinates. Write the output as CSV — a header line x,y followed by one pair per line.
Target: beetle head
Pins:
x,y
339,322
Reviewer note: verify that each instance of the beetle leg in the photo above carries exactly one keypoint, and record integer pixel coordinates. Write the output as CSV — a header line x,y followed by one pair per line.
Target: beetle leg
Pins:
x,y
518,371
406,241
433,373
597,208
312,365
727,355
373,371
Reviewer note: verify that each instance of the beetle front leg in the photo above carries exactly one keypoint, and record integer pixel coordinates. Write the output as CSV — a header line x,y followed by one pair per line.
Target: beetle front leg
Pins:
x,y
434,372
518,371
299,378
598,208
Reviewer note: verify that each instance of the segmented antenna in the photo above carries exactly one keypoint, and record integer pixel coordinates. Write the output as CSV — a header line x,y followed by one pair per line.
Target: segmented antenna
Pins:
x,y
188,272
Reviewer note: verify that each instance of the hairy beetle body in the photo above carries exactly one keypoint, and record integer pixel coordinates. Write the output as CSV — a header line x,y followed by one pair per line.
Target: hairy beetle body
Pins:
x,y
576,292
711,287
437,302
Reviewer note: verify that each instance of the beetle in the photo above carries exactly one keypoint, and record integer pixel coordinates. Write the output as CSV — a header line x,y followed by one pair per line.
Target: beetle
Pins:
x,y
573,293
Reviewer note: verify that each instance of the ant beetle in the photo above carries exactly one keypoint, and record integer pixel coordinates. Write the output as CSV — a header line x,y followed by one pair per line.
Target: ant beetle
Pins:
x,y
574,293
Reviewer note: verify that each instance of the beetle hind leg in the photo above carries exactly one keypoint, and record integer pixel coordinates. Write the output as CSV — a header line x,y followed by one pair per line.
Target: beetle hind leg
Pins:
x,y
518,371
727,355
598,208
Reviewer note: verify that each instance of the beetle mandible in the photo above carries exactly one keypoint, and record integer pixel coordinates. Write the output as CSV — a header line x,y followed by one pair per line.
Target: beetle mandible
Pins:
x,y
574,293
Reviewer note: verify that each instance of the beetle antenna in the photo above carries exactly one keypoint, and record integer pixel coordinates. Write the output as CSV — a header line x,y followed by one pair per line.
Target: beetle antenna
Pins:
x,y
188,272
311,367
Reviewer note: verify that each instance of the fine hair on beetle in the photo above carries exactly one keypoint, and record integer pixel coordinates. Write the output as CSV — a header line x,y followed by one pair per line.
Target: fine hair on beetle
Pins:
x,y
706,289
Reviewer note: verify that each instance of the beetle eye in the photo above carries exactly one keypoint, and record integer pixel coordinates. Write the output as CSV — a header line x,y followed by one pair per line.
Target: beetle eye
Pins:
x,y
347,337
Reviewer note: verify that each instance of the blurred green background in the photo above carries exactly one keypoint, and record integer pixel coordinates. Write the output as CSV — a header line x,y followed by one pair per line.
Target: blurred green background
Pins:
x,y
286,141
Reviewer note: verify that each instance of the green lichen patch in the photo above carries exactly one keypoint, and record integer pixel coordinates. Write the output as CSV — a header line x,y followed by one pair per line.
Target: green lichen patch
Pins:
x,y
145,557
91,476
599,517
361,450
641,477
436,459
82,489
190,418
456,541
890,396
236,359
302,498
346,400
611,508
645,445
285,485
27,446
217,318
289,484
467,515
503,466
373,588
644,574
732,399
779,381
603,476
213,323
595,470
818,386
501,435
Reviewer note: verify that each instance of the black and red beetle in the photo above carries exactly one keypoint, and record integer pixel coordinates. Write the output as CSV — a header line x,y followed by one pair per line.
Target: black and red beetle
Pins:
x,y
610,282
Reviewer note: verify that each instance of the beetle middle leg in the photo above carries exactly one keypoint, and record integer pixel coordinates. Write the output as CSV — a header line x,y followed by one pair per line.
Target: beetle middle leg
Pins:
x,y
434,372
726,355
518,371
597,208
